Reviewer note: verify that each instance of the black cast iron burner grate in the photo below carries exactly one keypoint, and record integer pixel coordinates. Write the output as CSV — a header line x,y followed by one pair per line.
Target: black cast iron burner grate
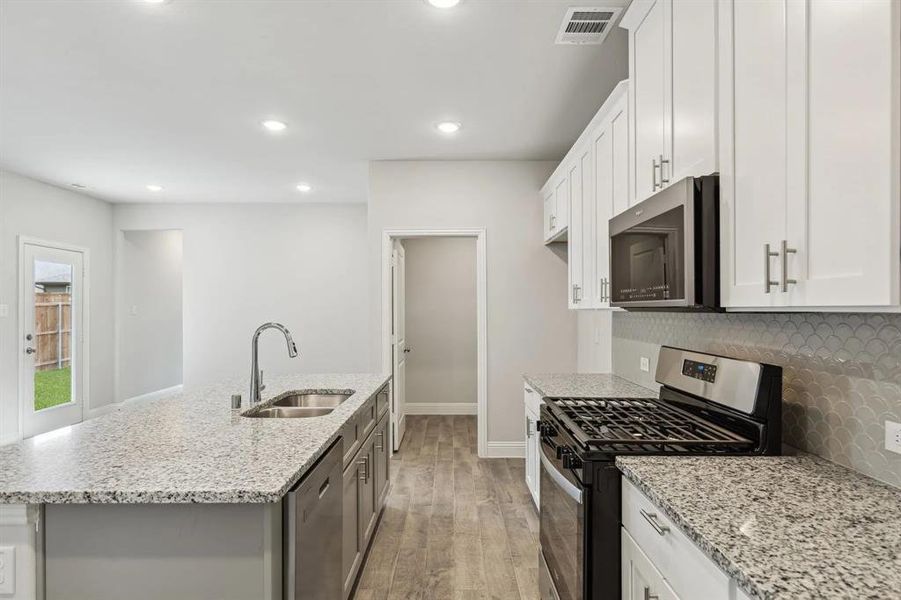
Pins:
x,y
637,425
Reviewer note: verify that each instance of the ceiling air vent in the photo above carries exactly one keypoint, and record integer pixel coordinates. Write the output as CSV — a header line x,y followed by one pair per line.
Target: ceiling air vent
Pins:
x,y
586,25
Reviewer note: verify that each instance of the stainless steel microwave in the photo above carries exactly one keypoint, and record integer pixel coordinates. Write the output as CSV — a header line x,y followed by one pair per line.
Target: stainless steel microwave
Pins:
x,y
664,251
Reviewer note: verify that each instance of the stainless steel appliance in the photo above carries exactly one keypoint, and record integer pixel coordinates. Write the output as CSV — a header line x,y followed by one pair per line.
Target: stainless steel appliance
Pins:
x,y
664,251
707,404
313,525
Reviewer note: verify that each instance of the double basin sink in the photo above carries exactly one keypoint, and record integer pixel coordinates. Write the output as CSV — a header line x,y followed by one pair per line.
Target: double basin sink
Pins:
x,y
301,405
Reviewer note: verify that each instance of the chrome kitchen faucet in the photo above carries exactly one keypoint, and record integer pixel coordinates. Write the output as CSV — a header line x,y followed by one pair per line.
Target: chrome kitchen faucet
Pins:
x,y
256,375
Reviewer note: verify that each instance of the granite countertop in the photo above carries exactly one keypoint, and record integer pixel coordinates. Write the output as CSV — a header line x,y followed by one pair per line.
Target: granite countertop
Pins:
x,y
785,527
586,385
186,448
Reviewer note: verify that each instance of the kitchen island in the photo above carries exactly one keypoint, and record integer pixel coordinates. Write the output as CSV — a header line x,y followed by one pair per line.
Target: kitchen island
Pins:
x,y
176,497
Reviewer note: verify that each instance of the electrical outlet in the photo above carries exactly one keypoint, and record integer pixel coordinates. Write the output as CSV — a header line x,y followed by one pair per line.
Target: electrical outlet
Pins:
x,y
4,311
645,364
893,436
7,570
134,310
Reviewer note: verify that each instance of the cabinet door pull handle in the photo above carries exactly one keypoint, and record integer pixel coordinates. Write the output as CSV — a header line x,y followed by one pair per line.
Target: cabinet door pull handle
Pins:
x,y
648,595
654,173
651,518
381,436
785,252
364,462
767,255
663,161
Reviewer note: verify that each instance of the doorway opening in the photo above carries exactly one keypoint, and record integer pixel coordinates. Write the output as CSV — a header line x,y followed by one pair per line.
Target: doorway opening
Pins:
x,y
434,325
53,323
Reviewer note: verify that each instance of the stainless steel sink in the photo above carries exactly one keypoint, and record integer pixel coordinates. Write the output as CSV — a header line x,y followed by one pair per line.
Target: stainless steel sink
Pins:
x,y
313,400
290,412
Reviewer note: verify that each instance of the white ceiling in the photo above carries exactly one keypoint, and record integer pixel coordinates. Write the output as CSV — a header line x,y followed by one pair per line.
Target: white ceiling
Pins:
x,y
119,94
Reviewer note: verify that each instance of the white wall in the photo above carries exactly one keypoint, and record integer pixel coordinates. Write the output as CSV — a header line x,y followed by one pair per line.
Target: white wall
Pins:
x,y
303,265
441,321
594,347
150,312
529,326
31,208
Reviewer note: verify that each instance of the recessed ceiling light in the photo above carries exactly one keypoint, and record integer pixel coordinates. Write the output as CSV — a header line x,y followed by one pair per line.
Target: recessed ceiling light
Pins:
x,y
273,125
154,187
448,127
304,187
444,3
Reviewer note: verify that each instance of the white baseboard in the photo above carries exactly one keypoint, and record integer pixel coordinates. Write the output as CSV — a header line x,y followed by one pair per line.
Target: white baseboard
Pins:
x,y
175,389
441,408
505,450
101,410
9,439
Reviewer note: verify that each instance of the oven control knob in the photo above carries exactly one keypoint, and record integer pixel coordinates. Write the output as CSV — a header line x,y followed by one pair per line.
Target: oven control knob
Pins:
x,y
546,429
563,452
571,461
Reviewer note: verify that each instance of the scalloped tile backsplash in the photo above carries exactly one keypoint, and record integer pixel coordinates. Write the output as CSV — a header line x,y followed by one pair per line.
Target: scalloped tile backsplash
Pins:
x,y
841,372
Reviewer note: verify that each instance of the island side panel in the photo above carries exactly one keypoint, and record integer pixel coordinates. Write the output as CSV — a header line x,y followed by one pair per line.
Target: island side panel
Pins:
x,y
152,551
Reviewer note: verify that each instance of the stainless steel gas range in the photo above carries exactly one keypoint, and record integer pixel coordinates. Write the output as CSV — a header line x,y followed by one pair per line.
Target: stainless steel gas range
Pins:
x,y
707,405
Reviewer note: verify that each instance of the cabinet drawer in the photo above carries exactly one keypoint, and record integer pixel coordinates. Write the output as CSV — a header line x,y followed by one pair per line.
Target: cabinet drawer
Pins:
x,y
688,571
350,435
381,402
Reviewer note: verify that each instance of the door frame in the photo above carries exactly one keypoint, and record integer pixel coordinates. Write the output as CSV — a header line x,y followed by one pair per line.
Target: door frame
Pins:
x,y
479,234
24,240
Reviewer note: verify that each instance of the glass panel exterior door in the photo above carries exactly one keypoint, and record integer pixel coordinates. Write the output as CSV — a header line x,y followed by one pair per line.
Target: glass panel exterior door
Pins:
x,y
52,342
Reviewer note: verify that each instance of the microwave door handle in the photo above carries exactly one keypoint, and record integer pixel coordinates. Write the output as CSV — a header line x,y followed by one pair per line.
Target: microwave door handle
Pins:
x,y
562,482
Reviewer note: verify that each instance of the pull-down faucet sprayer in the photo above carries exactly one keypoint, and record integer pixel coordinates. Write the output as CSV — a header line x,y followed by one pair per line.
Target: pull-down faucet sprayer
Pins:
x,y
256,375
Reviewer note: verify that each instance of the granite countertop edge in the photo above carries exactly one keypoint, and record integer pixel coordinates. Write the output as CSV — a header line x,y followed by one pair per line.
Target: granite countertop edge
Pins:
x,y
223,495
585,385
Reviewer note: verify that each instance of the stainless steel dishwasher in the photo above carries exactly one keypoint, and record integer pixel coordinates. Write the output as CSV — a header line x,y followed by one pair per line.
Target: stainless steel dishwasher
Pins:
x,y
313,524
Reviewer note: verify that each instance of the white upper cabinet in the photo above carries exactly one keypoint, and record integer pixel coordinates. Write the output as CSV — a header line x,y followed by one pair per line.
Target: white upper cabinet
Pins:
x,y
578,195
581,228
556,207
610,143
594,179
809,153
647,61
692,117
672,70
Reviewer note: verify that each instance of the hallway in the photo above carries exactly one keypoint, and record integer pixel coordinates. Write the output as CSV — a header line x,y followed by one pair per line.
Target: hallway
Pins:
x,y
455,526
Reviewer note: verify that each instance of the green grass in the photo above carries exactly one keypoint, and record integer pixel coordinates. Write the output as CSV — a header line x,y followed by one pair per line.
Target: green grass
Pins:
x,y
52,388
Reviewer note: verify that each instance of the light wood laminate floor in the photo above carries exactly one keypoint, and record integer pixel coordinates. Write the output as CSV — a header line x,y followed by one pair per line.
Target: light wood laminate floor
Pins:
x,y
455,526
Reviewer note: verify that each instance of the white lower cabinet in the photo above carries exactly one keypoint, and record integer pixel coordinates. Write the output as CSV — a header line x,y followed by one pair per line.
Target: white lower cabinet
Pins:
x,y
659,561
533,413
641,580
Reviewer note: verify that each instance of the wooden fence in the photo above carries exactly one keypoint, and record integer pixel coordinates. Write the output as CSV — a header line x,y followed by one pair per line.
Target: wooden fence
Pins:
x,y
52,330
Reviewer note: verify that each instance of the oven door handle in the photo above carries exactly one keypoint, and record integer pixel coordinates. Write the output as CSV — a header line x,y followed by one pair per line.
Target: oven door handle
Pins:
x,y
562,482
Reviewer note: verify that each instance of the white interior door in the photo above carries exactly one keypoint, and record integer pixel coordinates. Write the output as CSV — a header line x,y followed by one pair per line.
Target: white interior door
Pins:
x,y
53,329
399,343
